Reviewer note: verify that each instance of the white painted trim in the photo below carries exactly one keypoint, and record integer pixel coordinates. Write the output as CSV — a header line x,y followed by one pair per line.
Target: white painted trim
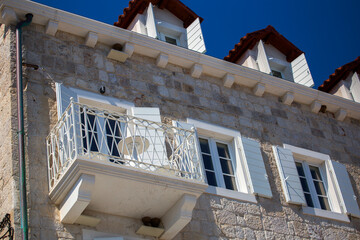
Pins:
x,y
325,214
223,192
91,235
307,155
185,58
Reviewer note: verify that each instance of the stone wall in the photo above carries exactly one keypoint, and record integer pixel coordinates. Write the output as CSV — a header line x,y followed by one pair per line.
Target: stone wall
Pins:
x,y
65,59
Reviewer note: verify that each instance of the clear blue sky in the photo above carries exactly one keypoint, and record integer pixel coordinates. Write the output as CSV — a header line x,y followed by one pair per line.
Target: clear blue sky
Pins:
x,y
328,31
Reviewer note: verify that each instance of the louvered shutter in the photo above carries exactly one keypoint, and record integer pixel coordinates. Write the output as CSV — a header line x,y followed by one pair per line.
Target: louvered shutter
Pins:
x,y
348,200
155,154
252,159
262,59
63,96
195,37
289,176
150,22
301,71
191,157
355,87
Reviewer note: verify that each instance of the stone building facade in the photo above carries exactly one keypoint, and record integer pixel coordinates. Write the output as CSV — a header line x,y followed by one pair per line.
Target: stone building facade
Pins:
x,y
64,58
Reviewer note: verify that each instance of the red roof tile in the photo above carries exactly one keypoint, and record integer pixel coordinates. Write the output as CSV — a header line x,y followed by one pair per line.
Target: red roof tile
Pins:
x,y
176,7
340,74
268,35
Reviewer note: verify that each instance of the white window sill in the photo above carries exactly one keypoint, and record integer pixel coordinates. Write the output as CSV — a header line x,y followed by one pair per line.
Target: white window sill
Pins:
x,y
326,214
231,194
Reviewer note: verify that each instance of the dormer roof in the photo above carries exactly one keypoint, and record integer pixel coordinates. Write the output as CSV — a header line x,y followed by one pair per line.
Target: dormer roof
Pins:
x,y
176,7
268,35
340,74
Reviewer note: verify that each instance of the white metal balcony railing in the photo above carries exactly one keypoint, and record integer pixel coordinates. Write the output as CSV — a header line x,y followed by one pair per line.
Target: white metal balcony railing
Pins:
x,y
90,133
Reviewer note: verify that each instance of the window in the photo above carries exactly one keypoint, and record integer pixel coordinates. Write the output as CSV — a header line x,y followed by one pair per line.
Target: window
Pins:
x,y
313,186
217,163
276,73
171,40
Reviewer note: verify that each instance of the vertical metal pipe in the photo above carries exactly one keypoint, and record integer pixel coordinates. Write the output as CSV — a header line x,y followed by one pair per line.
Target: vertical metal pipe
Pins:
x,y
21,133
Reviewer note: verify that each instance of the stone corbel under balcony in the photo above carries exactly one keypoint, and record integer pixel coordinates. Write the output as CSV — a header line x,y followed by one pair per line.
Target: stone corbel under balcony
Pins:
x,y
121,56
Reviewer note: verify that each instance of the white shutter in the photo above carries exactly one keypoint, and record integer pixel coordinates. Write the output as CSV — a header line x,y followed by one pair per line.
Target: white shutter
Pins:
x,y
355,87
342,182
252,159
289,176
155,153
192,147
301,71
195,37
63,95
262,59
150,22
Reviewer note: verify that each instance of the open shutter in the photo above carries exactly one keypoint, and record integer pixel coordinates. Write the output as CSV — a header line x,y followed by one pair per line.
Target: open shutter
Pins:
x,y
252,159
155,154
195,37
150,22
190,151
262,59
301,71
342,182
355,87
63,95
289,176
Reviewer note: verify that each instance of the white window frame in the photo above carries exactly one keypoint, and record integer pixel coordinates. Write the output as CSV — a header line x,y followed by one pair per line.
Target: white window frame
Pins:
x,y
225,135
170,30
318,159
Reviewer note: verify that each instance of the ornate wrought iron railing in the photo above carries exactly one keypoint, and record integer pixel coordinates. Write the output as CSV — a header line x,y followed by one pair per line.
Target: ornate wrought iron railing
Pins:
x,y
91,133
6,230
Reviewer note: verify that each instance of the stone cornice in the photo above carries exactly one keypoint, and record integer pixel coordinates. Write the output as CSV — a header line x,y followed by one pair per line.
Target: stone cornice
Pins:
x,y
185,58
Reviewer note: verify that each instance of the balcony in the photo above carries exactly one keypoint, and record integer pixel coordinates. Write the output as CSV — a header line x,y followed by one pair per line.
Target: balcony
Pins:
x,y
123,165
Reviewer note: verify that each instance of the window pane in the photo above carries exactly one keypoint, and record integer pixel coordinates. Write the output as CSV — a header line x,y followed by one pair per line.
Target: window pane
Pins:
x,y
226,166
276,73
319,186
204,145
304,185
300,169
308,199
89,134
170,40
324,203
208,162
223,150
315,173
210,176
230,182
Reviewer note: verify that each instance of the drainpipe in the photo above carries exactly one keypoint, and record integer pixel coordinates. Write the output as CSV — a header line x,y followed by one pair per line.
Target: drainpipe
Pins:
x,y
21,133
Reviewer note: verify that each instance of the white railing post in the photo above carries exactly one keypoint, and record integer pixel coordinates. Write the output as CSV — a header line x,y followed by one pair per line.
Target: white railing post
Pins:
x,y
74,127
199,157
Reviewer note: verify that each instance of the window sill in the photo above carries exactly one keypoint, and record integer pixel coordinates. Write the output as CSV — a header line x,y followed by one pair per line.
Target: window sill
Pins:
x,y
231,194
326,214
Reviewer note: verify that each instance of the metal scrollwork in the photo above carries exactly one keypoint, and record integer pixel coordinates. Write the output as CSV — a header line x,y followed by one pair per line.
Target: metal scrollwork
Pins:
x,y
6,231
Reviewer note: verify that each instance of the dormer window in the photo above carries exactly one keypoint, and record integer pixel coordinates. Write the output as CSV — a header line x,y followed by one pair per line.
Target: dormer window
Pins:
x,y
276,73
170,40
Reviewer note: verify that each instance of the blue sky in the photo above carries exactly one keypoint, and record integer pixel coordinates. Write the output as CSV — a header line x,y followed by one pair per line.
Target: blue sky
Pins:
x,y
327,31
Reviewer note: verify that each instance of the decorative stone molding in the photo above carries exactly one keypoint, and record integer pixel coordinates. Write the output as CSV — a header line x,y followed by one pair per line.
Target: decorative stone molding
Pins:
x,y
178,216
129,49
340,115
196,70
51,27
162,60
228,80
259,89
8,16
315,106
91,39
77,199
288,98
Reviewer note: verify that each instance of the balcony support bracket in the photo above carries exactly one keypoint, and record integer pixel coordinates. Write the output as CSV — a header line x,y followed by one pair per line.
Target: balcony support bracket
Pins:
x,y
77,199
178,216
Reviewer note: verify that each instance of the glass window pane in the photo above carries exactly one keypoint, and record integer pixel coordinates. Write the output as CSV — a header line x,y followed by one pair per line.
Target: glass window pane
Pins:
x,y
304,185
211,179
324,203
204,145
319,186
223,150
230,182
226,166
308,199
315,173
170,40
300,169
208,162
